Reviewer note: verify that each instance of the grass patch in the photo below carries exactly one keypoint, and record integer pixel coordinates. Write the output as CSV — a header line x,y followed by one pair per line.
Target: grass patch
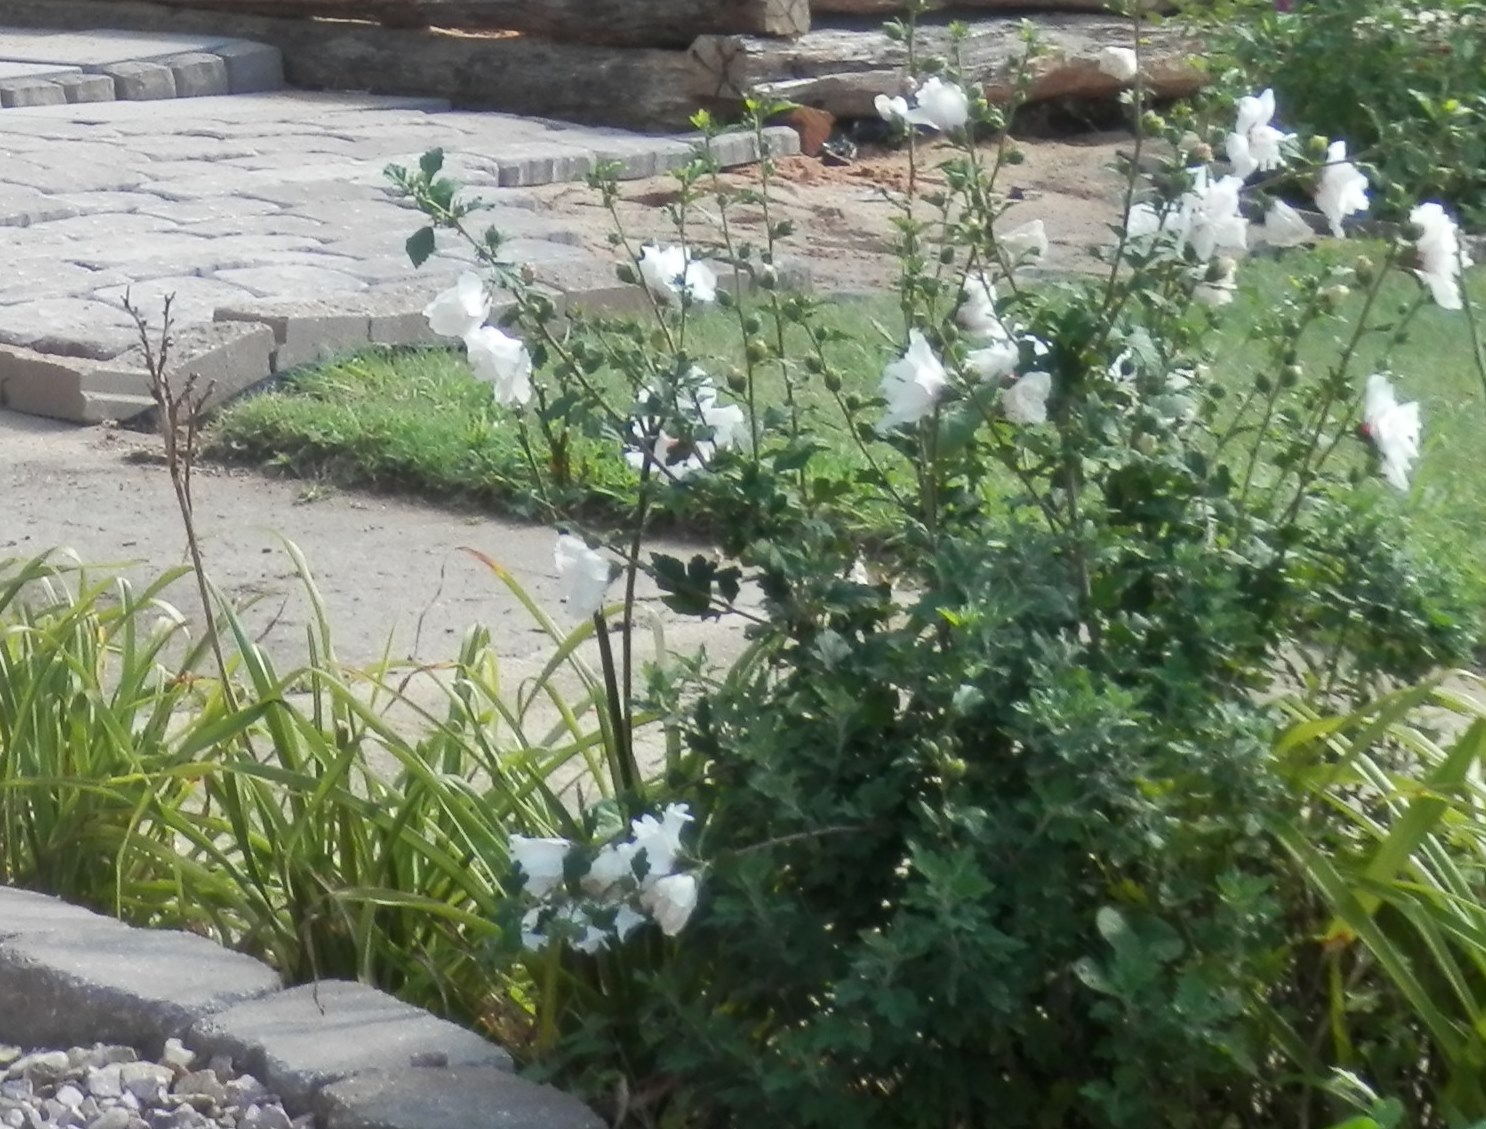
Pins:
x,y
415,421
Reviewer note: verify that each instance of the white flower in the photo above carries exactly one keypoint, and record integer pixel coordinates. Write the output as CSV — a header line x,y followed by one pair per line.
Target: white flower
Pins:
x,y
460,310
626,921
592,938
584,574
1211,219
995,361
610,867
1440,254
1342,189
532,937
670,274
1025,402
1026,243
940,105
502,362
725,424
1393,429
893,110
541,861
976,314
912,384
1284,227
671,901
1217,282
660,839
1119,63
1255,145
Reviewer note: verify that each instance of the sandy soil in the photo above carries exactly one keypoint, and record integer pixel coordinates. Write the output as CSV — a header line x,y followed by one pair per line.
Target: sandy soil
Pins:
x,y
392,571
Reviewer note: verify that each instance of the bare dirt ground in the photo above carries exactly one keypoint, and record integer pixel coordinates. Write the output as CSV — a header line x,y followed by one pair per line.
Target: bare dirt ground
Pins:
x,y
392,571
842,213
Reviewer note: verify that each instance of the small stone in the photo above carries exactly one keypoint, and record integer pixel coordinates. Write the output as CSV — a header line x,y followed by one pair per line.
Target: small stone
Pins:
x,y
176,1054
44,1067
202,1083
69,1095
14,1118
145,1080
17,1089
438,1059
116,1118
8,1055
105,1082
270,1116
221,1066
89,1109
245,1091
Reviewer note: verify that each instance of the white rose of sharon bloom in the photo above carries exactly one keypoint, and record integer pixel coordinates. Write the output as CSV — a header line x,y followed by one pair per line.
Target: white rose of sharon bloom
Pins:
x,y
626,921
893,110
940,105
1217,282
1211,217
1440,255
502,362
1119,63
660,839
583,573
726,423
976,314
541,861
1284,227
671,275
1026,243
1255,145
1342,189
912,384
1392,428
1025,402
461,309
609,868
671,902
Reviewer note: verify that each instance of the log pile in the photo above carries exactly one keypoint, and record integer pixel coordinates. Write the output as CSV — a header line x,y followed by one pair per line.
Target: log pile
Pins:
x,y
640,64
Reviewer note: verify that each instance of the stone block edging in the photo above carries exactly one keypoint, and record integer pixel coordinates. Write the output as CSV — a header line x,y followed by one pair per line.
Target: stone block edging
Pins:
x,y
347,1053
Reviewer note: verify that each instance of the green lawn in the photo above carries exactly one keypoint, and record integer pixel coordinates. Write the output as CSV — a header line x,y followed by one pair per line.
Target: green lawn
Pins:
x,y
416,421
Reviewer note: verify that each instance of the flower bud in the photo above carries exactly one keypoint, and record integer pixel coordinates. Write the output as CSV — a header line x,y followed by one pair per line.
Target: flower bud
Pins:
x,y
1188,142
528,275
1332,297
737,381
1152,122
752,324
814,365
1365,270
1015,156
1220,268
1202,151
832,381
947,255
756,350
1291,375
625,272
1316,148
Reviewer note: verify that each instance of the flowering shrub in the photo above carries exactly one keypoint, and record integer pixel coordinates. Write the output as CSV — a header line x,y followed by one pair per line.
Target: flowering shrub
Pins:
x,y
1401,79
984,840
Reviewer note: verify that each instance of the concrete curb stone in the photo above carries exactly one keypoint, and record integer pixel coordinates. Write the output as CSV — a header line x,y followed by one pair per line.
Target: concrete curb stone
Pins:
x,y
141,82
198,75
350,1054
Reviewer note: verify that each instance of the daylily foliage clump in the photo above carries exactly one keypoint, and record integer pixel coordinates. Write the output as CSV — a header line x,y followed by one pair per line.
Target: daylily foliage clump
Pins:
x,y
983,826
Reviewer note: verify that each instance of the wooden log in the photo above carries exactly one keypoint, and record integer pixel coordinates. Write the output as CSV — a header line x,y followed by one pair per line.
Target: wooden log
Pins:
x,y
643,23
636,88
843,67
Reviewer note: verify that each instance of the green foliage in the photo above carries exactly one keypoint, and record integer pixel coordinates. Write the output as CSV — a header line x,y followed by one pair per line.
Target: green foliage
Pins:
x,y
1404,81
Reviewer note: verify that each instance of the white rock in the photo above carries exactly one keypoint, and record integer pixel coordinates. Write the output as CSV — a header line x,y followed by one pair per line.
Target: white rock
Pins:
x,y
145,1080
13,1118
265,1117
116,1118
69,1095
105,1083
246,1091
176,1054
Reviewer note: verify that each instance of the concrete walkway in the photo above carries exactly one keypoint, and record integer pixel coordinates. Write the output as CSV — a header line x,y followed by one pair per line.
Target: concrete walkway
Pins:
x,y
254,209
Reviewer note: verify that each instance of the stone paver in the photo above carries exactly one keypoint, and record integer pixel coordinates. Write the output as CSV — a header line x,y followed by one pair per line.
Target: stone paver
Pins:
x,y
244,204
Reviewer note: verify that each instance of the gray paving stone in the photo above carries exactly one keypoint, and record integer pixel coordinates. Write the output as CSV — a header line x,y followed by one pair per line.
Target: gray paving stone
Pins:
x,y
82,88
99,48
521,166
73,327
99,225
41,386
227,358
104,200
397,309
449,1099
226,211
22,911
306,331
59,178
292,282
252,68
193,299
28,279
22,205
35,70
198,75
303,1039
137,987
31,92
141,82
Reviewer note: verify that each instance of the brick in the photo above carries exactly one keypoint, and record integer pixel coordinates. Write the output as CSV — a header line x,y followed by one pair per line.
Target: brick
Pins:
x,y
137,987
141,82
252,68
523,166
591,287
306,331
449,1099
225,358
40,386
74,327
198,75
80,88
16,92
294,1041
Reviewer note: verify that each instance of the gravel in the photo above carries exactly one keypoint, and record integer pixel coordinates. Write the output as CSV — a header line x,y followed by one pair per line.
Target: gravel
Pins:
x,y
110,1087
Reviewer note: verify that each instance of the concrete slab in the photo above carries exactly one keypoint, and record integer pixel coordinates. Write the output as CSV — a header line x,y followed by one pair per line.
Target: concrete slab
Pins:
x,y
99,48
449,1099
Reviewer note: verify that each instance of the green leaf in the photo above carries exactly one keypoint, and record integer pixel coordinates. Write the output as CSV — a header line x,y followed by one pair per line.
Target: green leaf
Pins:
x,y
420,245
431,162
